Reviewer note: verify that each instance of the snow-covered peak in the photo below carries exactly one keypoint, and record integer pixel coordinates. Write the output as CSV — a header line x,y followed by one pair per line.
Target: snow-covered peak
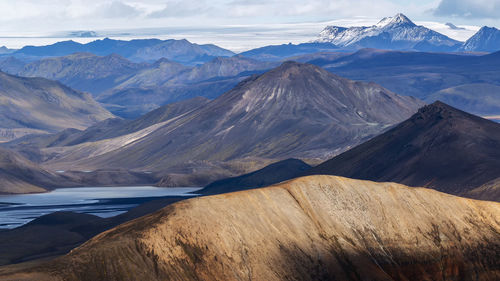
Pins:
x,y
396,20
397,32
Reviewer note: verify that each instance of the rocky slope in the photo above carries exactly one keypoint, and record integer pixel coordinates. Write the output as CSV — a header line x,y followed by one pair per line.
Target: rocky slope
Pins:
x,y
311,228
36,104
397,32
295,110
439,147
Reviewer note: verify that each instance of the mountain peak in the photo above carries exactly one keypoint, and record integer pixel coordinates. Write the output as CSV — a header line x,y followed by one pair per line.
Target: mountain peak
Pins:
x,y
398,19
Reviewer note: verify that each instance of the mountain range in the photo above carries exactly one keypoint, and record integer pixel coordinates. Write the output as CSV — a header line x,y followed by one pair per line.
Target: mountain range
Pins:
x,y
397,32
294,110
468,82
311,228
400,33
139,50
37,105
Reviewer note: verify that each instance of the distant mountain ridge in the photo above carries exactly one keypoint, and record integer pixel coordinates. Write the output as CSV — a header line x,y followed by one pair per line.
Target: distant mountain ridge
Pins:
x,y
140,50
397,32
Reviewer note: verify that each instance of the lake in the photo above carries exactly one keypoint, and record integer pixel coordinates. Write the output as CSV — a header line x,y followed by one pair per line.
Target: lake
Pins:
x,y
16,210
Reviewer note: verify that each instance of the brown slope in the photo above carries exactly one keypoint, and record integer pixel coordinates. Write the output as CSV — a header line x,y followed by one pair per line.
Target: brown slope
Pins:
x,y
19,175
44,105
295,110
439,147
311,228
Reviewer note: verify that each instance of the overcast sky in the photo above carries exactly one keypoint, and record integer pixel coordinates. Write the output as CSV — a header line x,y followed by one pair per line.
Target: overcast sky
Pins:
x,y
228,22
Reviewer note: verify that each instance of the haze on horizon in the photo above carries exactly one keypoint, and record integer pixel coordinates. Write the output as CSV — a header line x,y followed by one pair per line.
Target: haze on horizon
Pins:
x,y
233,24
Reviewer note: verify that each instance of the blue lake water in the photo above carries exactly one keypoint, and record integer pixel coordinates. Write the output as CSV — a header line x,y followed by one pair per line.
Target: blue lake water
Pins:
x,y
16,210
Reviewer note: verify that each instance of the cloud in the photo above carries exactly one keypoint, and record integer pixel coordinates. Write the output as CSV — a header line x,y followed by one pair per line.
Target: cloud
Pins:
x,y
117,9
175,9
476,9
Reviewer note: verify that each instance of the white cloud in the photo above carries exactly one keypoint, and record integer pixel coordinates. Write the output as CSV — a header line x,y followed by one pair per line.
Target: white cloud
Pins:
x,y
469,8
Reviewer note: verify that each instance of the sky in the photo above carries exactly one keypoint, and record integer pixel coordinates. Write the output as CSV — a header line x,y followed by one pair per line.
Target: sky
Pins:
x,y
233,24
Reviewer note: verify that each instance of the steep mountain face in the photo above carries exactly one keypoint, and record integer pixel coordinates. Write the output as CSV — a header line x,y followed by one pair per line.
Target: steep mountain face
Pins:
x,y
465,81
274,173
84,71
396,32
439,147
181,51
281,52
294,110
487,39
312,228
36,104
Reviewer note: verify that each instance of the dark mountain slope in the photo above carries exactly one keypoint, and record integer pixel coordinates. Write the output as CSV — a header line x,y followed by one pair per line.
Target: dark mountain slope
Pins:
x,y
439,147
274,173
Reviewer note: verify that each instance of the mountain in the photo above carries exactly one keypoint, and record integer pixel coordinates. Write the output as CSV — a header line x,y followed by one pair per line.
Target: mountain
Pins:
x,y
19,175
109,128
84,71
294,110
482,98
11,65
157,74
489,191
284,51
439,147
274,173
427,76
147,90
311,228
487,39
40,105
181,51
4,50
396,32
139,50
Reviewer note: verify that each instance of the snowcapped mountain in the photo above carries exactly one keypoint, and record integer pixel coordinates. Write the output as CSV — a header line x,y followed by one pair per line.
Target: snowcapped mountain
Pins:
x,y
487,39
397,32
